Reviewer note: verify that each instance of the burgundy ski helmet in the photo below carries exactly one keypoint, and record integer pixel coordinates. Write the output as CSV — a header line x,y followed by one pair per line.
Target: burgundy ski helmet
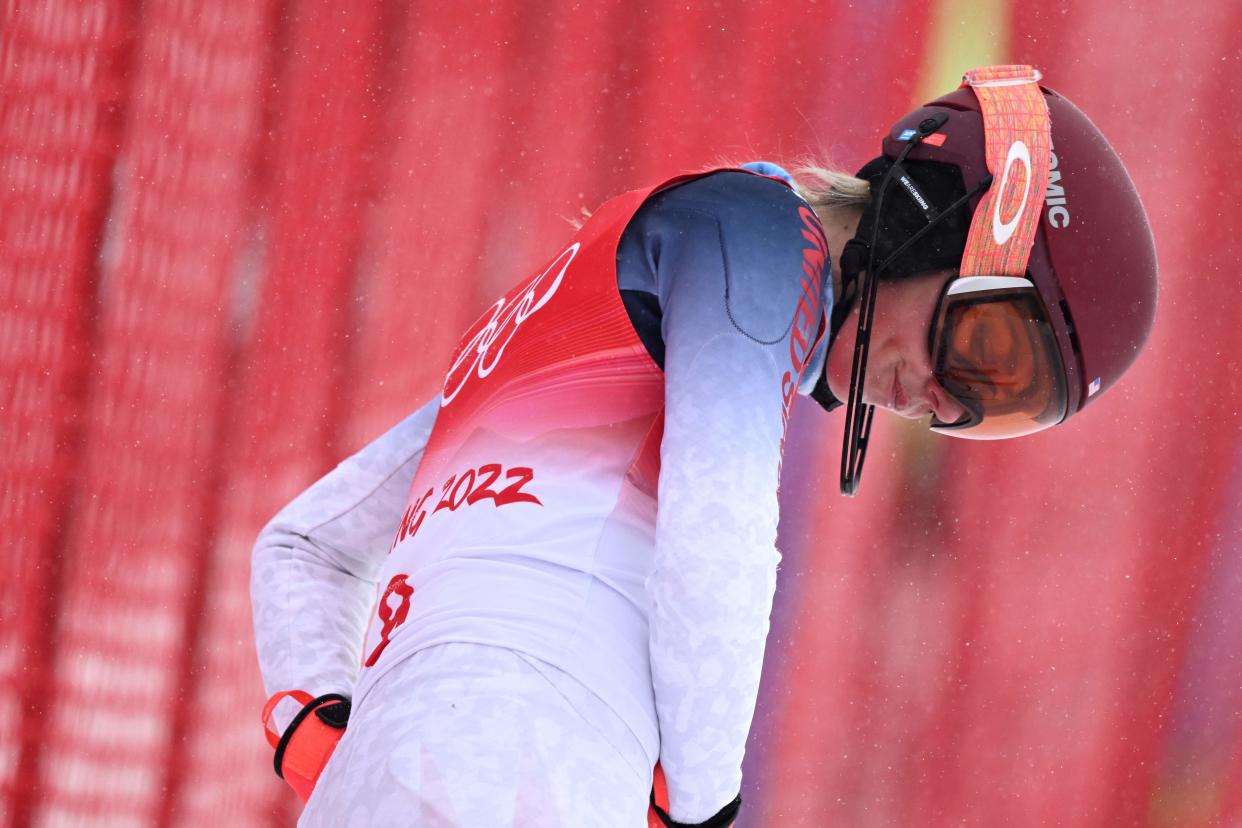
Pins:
x,y
1093,260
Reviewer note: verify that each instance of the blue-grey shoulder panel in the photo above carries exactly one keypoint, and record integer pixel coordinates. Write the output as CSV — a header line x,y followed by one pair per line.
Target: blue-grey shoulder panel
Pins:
x,y
758,233
730,245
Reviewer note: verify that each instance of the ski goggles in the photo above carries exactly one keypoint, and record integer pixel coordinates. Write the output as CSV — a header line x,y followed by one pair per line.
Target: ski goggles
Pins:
x,y
991,344
994,350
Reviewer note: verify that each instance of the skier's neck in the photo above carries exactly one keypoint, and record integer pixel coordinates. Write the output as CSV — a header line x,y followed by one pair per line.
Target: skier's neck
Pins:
x,y
840,224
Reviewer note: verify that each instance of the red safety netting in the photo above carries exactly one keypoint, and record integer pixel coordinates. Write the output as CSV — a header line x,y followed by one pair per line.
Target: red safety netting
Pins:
x,y
239,239
291,389
61,66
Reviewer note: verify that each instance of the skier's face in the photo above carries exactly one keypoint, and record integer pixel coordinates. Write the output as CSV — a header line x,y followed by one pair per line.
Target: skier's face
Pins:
x,y
899,373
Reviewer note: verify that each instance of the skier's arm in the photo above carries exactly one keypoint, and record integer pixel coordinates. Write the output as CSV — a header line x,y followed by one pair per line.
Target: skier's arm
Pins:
x,y
315,564
729,293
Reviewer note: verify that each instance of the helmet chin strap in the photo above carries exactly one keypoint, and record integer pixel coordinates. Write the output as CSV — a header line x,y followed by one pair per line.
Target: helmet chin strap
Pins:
x,y
859,415
862,283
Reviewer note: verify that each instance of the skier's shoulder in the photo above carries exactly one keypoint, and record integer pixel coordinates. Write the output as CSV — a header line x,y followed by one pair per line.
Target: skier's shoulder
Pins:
x,y
760,227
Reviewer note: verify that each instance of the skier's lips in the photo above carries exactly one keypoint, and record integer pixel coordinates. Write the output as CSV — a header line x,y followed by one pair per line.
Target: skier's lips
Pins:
x,y
899,395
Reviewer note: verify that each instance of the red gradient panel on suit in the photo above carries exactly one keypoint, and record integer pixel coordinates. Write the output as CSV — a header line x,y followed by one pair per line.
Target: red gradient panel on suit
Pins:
x,y
551,390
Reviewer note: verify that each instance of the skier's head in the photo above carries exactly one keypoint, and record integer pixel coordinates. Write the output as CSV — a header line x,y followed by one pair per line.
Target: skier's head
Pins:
x,y
1007,206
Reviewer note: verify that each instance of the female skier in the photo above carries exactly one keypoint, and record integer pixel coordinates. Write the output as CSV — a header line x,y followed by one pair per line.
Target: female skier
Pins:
x,y
564,563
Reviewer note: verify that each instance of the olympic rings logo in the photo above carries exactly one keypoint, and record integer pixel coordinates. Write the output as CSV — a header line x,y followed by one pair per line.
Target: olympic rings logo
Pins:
x,y
496,327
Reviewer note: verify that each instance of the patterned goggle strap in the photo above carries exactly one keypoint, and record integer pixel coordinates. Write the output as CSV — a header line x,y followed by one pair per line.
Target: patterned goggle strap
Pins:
x,y
1018,136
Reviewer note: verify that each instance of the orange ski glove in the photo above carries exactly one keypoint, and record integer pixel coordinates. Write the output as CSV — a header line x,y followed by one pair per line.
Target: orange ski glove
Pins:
x,y
308,741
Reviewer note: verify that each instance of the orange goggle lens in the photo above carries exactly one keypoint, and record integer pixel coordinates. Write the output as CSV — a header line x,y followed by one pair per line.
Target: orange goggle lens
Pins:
x,y
993,349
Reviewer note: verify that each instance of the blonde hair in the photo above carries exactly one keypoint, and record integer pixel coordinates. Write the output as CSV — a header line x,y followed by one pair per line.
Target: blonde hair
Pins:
x,y
826,188
819,182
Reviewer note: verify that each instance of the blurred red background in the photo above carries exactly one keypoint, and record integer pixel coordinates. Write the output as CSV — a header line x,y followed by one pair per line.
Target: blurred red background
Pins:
x,y
239,239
